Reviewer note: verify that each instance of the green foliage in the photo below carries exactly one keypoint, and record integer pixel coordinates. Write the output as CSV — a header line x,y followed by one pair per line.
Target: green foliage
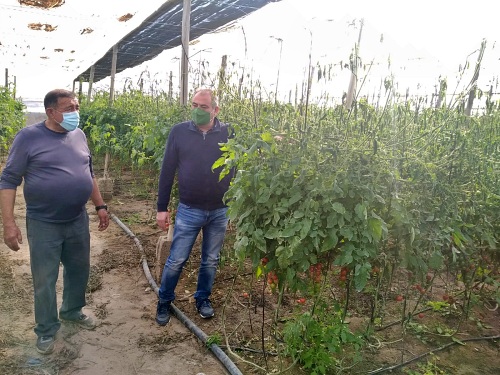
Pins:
x,y
295,202
319,342
402,186
11,118
429,368
133,129
214,339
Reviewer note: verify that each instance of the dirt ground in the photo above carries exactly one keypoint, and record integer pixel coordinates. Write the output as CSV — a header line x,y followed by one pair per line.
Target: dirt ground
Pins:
x,y
128,341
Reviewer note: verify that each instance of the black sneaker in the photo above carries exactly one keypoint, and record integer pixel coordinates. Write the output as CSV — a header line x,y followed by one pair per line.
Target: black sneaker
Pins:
x,y
163,313
205,309
83,321
45,344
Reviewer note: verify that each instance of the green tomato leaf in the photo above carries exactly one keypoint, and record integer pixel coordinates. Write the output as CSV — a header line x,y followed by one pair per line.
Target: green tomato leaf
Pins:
x,y
361,275
330,241
267,137
272,233
375,226
295,198
306,226
264,195
338,207
290,230
259,271
360,210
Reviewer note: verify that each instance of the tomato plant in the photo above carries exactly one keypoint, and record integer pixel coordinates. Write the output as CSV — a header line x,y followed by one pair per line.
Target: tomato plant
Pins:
x,y
11,118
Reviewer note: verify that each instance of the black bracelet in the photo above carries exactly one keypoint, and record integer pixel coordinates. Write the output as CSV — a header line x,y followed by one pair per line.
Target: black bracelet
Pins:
x,y
104,206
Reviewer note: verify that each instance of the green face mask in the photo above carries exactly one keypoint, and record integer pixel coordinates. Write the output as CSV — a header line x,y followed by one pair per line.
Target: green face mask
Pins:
x,y
200,117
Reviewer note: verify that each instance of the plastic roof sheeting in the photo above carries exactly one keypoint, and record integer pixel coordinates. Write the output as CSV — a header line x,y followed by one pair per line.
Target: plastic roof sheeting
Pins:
x,y
162,30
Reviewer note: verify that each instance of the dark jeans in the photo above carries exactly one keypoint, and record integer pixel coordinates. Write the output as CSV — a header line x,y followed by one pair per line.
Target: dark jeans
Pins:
x,y
188,223
51,244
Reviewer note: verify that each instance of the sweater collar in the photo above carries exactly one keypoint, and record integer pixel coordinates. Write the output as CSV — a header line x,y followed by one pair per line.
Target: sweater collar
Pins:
x,y
215,128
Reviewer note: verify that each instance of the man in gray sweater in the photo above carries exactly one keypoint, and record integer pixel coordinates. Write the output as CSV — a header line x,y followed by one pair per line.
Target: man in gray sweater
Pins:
x,y
53,159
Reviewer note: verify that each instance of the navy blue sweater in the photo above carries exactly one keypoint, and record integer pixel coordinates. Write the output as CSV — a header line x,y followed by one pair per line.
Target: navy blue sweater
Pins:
x,y
191,154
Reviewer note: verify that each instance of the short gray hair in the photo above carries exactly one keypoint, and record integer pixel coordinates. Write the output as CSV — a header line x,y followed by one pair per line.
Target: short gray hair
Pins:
x,y
213,95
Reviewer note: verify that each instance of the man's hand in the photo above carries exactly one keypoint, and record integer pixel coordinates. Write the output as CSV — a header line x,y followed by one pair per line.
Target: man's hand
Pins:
x,y
12,236
103,219
163,220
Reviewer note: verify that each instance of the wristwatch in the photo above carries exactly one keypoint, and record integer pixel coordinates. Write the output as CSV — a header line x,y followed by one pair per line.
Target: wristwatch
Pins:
x,y
104,206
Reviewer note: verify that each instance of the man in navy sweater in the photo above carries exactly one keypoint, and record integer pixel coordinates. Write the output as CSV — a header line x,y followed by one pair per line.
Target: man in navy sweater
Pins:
x,y
192,148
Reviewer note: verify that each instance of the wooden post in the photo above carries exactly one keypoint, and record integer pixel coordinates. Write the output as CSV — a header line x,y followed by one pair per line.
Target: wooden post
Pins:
x,y
6,77
113,73
14,88
186,25
91,81
170,86
222,76
80,89
240,83
473,83
106,183
280,41
354,71
162,251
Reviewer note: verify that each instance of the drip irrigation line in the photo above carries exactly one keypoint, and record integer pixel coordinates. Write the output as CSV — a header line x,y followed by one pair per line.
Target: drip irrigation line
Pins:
x,y
250,350
219,353
441,348
401,320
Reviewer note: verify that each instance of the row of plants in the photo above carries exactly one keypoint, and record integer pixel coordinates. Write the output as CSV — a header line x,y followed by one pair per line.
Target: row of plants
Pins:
x,y
11,118
325,195
367,193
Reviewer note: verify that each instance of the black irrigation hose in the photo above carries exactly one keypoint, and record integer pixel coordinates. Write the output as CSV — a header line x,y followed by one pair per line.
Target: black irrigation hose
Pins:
x,y
219,353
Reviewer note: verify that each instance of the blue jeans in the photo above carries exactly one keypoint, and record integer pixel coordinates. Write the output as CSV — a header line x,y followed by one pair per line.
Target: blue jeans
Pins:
x,y
51,244
188,223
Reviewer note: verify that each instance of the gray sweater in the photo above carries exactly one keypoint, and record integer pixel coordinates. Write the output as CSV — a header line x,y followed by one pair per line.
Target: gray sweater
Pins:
x,y
57,172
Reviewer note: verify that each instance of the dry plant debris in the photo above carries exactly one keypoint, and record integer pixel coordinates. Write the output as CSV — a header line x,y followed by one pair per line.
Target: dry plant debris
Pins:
x,y
87,30
45,4
39,26
125,17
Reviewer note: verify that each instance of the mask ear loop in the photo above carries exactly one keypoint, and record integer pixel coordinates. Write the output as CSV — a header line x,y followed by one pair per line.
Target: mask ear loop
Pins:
x,y
53,117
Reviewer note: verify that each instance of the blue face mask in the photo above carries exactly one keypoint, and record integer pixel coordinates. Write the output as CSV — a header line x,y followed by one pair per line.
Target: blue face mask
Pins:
x,y
70,121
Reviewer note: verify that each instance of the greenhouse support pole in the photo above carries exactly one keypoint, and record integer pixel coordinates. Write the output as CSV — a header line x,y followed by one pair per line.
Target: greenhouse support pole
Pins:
x,y
351,92
91,82
113,73
186,25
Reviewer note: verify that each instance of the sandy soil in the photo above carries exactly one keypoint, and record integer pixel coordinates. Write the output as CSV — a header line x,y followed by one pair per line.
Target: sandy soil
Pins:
x,y
128,341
